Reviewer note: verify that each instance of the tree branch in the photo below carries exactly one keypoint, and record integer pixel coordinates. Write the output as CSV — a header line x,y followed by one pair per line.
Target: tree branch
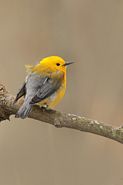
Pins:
x,y
58,119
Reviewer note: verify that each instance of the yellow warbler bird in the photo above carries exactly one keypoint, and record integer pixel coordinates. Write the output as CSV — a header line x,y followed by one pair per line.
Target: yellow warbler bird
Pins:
x,y
45,85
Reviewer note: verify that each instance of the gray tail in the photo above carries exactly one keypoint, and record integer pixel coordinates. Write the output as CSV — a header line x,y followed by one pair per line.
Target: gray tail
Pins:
x,y
24,111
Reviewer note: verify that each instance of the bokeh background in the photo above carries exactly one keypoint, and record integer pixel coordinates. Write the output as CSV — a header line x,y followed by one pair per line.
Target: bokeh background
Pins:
x,y
90,33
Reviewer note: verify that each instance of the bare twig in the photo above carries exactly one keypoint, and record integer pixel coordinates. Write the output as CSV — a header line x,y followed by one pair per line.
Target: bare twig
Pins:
x,y
58,119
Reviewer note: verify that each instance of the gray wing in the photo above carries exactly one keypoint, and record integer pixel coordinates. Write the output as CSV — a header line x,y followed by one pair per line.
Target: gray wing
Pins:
x,y
45,88
35,89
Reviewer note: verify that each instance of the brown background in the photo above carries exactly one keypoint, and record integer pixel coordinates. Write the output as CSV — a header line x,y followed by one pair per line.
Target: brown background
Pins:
x,y
91,34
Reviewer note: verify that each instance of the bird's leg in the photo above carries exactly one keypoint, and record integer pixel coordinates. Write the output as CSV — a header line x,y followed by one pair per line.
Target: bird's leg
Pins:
x,y
45,107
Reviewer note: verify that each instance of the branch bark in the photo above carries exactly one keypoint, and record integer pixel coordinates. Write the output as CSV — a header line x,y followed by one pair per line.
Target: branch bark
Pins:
x,y
58,119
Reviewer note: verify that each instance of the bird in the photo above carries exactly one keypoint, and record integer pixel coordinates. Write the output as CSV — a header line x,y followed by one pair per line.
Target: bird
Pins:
x,y
45,85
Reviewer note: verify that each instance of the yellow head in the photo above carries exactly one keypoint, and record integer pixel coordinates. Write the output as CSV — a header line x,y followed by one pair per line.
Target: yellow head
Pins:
x,y
51,64
54,63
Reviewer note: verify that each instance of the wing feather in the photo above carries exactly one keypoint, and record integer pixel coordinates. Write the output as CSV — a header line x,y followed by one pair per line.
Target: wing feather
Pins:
x,y
22,92
37,87
49,87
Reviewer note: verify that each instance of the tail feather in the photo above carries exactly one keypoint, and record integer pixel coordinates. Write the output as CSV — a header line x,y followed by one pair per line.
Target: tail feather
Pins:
x,y
24,111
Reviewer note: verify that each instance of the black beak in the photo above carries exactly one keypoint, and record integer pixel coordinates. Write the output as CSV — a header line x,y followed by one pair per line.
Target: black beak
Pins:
x,y
68,63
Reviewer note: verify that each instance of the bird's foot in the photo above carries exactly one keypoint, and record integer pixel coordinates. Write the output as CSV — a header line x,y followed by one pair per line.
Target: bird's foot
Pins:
x,y
45,108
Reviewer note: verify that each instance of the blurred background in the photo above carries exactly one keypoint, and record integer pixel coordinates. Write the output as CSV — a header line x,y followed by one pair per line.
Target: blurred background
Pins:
x,y
90,33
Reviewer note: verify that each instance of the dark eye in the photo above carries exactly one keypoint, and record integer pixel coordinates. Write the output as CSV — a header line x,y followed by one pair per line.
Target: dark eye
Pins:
x,y
57,64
